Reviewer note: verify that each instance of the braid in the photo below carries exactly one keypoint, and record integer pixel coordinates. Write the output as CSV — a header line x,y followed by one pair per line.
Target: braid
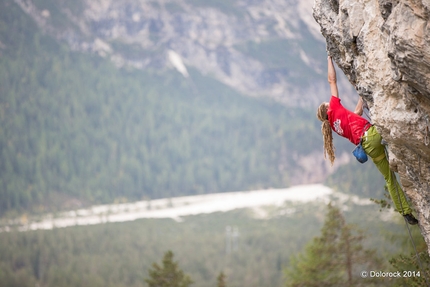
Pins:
x,y
327,133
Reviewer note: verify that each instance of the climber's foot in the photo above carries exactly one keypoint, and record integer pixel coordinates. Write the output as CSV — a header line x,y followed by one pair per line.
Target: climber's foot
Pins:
x,y
410,219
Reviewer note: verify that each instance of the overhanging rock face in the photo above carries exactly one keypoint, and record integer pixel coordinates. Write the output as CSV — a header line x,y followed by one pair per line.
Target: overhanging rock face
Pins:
x,y
383,47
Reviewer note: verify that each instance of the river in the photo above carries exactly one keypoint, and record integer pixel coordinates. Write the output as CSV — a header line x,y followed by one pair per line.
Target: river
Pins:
x,y
174,208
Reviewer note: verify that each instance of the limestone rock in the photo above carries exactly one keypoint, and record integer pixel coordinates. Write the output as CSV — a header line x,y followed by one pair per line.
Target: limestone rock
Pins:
x,y
383,47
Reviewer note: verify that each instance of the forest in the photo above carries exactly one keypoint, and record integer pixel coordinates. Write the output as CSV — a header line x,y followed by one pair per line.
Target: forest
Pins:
x,y
266,253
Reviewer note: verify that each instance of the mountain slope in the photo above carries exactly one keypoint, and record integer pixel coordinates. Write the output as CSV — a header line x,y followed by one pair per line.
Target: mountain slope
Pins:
x,y
269,48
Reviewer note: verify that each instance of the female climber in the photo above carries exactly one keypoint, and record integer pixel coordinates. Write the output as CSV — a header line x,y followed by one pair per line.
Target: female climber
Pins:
x,y
353,127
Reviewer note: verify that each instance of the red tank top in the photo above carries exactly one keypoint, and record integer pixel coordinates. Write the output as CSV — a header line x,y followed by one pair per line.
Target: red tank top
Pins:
x,y
346,123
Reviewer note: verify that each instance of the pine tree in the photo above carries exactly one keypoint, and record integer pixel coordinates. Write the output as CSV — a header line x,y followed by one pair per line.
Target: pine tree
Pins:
x,y
414,263
336,258
169,275
221,280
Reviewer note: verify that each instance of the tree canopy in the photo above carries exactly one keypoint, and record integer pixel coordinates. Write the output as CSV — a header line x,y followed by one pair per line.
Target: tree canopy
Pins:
x,y
335,258
167,275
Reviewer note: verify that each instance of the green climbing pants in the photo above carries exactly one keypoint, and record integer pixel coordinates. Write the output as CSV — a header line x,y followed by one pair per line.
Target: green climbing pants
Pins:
x,y
373,147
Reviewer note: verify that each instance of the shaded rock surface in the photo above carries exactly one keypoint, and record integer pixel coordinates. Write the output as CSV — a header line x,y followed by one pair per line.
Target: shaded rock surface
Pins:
x,y
383,47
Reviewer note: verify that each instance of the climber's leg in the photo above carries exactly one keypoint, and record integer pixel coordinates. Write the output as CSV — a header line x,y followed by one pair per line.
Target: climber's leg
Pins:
x,y
373,147
396,192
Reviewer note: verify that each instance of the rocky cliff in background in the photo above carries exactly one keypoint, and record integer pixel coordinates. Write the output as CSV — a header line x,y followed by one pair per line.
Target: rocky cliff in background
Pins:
x,y
383,47
261,48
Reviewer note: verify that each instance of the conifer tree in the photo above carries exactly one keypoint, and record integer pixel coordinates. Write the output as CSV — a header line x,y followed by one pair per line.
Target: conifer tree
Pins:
x,y
413,259
221,280
168,275
336,258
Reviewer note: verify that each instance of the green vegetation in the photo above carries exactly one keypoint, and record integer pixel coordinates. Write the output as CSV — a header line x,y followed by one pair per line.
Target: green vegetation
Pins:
x,y
339,256
168,275
221,280
76,130
415,268
121,254
411,258
335,258
363,180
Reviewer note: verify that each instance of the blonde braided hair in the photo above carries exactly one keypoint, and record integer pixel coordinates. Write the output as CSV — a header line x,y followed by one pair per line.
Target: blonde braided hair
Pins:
x,y
327,132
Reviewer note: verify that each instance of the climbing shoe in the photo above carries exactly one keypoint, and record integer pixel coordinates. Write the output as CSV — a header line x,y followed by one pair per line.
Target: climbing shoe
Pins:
x,y
410,219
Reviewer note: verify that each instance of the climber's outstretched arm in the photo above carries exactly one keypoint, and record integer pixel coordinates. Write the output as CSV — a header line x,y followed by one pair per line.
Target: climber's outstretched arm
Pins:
x,y
359,107
332,78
